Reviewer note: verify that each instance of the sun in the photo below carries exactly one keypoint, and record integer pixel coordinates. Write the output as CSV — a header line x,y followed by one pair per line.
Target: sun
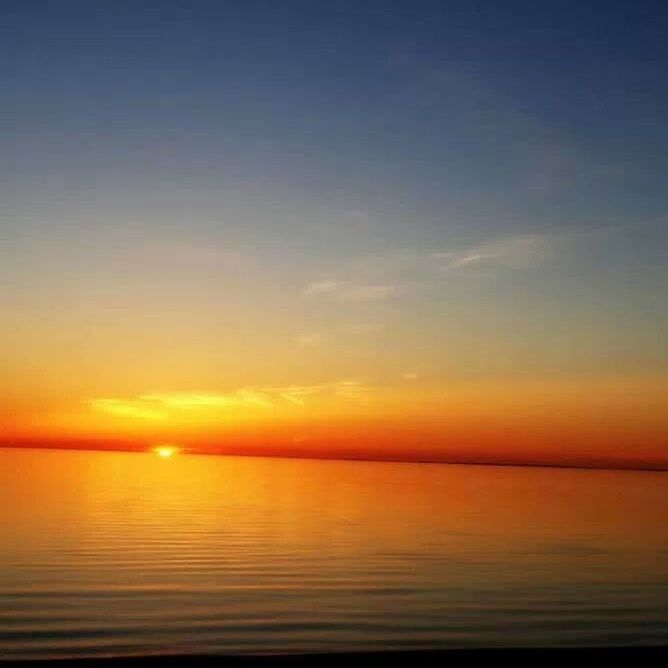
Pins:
x,y
166,451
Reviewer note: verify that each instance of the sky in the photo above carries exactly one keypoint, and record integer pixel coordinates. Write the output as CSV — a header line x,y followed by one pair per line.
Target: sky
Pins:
x,y
398,230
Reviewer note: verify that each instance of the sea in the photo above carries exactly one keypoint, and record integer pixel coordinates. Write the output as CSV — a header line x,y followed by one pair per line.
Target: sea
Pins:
x,y
114,554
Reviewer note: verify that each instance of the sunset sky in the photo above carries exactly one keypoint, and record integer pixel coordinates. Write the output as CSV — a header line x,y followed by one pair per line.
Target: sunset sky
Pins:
x,y
406,230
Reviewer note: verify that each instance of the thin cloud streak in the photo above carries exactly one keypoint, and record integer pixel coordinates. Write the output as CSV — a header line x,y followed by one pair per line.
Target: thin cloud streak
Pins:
x,y
404,276
311,339
517,252
132,409
154,407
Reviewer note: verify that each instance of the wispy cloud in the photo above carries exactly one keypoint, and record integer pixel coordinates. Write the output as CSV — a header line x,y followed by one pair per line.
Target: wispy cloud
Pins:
x,y
311,339
163,406
133,409
403,272
518,252
296,394
194,401
458,260
325,287
347,333
407,272
348,291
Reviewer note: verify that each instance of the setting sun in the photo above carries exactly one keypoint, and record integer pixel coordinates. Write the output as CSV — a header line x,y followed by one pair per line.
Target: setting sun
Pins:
x,y
166,451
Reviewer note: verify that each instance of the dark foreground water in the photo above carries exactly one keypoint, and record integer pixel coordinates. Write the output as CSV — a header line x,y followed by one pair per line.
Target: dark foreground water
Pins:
x,y
113,553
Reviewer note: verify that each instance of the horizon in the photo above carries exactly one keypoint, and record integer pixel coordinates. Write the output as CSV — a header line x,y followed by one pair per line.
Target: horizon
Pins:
x,y
604,464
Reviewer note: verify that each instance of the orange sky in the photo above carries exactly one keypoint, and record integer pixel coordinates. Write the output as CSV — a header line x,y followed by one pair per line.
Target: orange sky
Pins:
x,y
612,422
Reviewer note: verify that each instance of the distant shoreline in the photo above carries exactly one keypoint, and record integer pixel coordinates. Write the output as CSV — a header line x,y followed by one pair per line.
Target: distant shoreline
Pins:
x,y
528,656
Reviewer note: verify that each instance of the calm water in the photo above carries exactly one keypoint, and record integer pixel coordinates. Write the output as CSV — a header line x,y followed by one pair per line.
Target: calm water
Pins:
x,y
107,553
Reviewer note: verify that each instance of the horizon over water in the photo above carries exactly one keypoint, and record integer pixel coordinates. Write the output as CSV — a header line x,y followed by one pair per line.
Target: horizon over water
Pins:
x,y
117,553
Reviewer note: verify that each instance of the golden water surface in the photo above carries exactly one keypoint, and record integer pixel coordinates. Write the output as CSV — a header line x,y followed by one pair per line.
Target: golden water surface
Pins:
x,y
119,553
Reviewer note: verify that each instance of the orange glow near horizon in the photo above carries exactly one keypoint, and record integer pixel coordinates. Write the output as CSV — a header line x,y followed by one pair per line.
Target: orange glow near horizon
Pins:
x,y
599,422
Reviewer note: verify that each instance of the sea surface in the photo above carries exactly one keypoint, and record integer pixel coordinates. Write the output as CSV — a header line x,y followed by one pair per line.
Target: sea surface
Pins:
x,y
118,553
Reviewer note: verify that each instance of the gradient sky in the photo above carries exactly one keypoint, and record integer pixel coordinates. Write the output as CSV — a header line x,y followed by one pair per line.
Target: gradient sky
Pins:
x,y
432,230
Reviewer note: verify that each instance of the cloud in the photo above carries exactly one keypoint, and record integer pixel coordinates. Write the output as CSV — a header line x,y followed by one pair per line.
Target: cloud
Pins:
x,y
309,339
344,333
190,401
457,260
411,376
132,409
166,405
326,287
516,252
405,272
347,291
163,406
194,401
349,389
